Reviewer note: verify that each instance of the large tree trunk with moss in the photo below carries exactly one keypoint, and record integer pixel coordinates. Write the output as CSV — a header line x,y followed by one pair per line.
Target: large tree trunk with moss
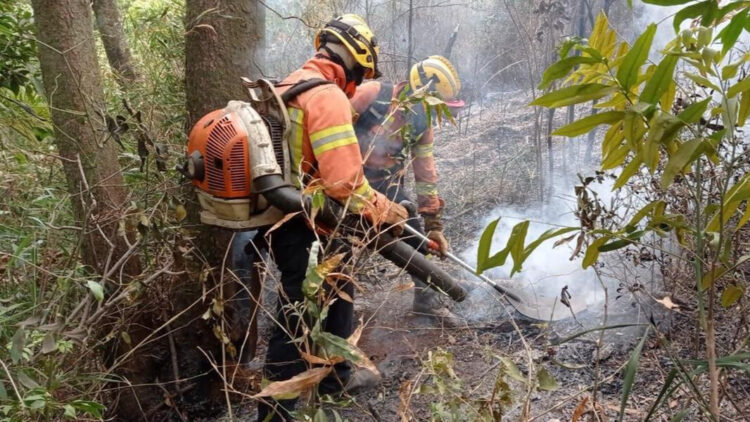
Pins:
x,y
70,70
113,38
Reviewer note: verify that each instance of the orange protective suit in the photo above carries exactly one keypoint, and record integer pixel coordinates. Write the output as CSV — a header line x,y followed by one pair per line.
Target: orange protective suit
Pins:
x,y
322,140
384,147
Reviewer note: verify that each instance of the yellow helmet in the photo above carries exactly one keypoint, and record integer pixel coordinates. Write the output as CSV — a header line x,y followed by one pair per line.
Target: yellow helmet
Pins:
x,y
440,72
352,32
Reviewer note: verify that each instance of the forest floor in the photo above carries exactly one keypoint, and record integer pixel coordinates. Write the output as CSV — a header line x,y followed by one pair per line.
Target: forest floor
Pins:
x,y
492,165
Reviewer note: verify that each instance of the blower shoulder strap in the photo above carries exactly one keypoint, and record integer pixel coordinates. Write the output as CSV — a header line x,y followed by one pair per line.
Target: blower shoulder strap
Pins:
x,y
301,87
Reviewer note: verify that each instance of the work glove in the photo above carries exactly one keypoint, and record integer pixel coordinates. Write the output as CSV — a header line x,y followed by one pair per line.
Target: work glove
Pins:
x,y
395,218
433,225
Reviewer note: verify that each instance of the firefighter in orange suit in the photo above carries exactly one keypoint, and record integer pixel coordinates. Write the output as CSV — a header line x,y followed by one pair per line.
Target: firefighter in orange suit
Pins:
x,y
388,150
324,150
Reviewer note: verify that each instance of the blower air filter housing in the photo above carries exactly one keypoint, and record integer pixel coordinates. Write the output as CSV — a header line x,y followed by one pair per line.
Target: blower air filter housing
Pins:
x,y
227,149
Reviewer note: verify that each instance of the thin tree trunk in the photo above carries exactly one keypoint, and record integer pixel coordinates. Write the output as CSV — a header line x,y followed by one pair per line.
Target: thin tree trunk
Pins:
x,y
591,138
410,48
113,38
70,71
550,155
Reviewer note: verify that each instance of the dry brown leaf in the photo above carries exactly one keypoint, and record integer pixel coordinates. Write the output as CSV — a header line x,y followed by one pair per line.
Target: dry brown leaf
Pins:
x,y
281,222
345,296
364,361
326,267
580,410
354,338
403,287
317,360
667,302
296,384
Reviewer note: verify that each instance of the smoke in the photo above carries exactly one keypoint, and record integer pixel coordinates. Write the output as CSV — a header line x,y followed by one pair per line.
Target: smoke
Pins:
x,y
550,268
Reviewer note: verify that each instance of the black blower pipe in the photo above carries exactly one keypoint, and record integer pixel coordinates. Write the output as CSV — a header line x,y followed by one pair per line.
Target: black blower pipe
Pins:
x,y
287,198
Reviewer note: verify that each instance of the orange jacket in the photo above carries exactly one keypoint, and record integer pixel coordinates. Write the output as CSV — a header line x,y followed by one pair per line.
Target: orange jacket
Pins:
x,y
385,143
322,143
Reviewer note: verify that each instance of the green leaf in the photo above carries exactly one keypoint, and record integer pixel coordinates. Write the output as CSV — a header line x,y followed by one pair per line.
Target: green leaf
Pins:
x,y
91,407
643,212
731,295
96,289
549,234
666,2
744,109
739,87
568,44
621,243
659,82
320,416
546,381
629,373
17,345
731,32
694,112
516,244
631,169
701,81
510,369
711,276
663,394
584,125
313,279
731,7
732,200
483,250
574,94
685,155
70,411
562,67
627,73
615,158
592,252
690,12
633,127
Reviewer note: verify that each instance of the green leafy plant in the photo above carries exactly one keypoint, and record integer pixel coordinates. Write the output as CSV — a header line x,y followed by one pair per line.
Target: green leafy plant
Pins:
x,y
675,121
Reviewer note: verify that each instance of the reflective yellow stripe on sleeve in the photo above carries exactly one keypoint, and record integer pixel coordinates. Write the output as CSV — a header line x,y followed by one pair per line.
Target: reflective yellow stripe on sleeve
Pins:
x,y
332,137
296,117
423,151
360,197
426,189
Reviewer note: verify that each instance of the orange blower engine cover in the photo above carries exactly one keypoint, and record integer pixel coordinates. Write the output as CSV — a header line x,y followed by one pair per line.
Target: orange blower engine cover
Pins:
x,y
222,145
218,162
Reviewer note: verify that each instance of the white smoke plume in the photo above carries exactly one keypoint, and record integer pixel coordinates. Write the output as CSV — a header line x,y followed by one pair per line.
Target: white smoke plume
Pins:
x,y
549,269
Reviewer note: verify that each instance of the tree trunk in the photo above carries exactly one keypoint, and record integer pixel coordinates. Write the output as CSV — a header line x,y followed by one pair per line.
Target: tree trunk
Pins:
x,y
410,46
70,70
113,37
224,42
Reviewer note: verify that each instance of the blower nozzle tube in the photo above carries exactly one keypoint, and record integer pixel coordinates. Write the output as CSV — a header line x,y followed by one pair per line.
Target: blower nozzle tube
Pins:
x,y
287,198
